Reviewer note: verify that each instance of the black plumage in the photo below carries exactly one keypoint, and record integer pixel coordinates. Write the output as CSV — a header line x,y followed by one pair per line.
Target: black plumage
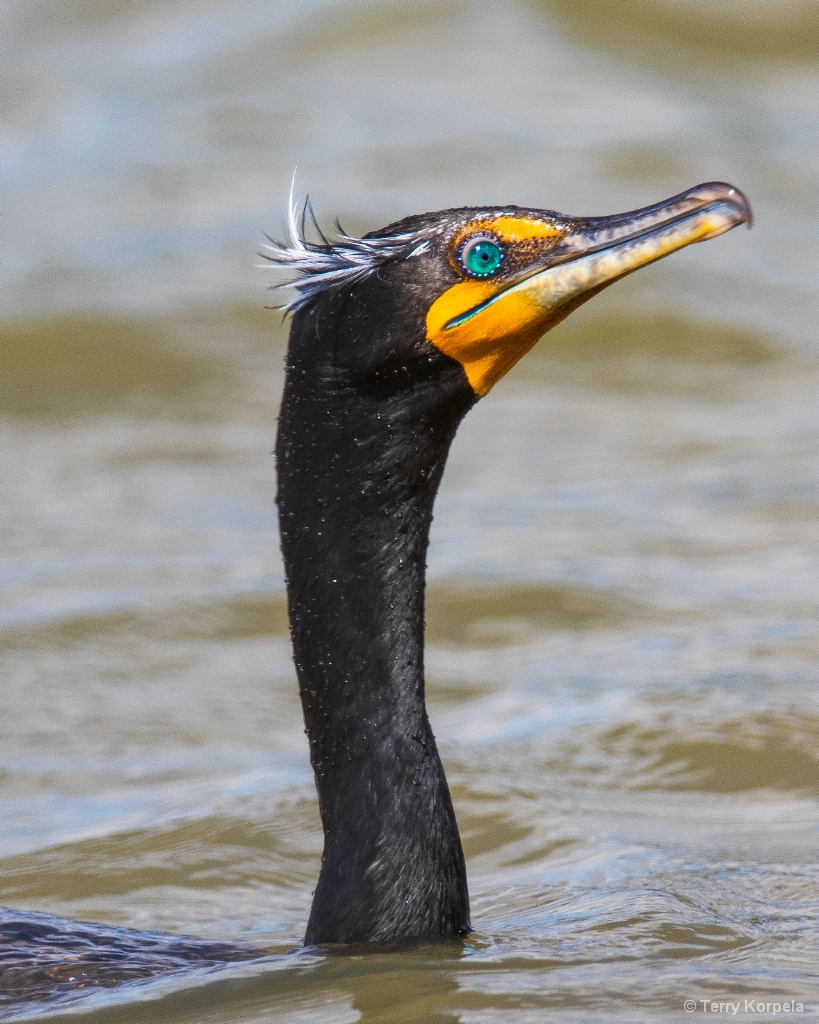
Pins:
x,y
368,414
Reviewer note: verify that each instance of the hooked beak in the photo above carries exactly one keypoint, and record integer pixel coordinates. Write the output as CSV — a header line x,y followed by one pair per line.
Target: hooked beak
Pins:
x,y
601,250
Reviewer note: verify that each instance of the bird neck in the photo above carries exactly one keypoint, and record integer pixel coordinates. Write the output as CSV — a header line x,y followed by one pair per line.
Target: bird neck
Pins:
x,y
358,473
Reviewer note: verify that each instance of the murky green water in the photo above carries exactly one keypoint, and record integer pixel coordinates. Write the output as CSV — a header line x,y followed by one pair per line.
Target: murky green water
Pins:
x,y
624,609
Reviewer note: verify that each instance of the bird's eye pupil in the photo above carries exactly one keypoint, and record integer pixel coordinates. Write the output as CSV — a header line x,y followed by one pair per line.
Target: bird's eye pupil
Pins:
x,y
481,256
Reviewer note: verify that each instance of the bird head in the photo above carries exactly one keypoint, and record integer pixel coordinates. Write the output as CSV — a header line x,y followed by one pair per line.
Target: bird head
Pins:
x,y
482,285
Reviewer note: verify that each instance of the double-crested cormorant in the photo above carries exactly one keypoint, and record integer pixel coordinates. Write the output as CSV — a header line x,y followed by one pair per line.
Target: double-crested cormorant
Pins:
x,y
394,338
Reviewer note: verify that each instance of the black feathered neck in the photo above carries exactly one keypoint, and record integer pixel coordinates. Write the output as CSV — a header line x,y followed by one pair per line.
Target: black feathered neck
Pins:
x,y
368,415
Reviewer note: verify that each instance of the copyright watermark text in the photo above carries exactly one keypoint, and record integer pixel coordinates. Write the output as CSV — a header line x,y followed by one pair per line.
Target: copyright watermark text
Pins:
x,y
733,1007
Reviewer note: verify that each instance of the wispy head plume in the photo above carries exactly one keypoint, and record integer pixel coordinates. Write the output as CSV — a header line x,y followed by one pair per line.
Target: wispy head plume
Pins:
x,y
329,263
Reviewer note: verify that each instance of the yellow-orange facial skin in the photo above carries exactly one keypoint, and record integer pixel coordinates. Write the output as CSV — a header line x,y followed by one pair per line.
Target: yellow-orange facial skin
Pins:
x,y
487,324
489,344
512,230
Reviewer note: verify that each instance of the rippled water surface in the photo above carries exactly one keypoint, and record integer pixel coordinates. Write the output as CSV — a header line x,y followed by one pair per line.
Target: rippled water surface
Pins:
x,y
624,612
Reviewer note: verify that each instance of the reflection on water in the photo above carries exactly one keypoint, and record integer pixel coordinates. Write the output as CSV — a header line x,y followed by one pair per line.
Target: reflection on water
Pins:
x,y
623,608
81,365
696,36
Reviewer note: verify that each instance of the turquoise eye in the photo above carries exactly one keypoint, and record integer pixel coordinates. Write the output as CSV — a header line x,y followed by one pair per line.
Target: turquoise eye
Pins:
x,y
481,256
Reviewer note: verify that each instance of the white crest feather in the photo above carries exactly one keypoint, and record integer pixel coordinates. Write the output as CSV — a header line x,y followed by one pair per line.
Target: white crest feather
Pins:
x,y
331,262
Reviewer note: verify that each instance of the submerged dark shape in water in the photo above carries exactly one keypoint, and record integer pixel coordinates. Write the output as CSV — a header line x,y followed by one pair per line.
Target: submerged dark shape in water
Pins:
x,y
44,958
394,338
